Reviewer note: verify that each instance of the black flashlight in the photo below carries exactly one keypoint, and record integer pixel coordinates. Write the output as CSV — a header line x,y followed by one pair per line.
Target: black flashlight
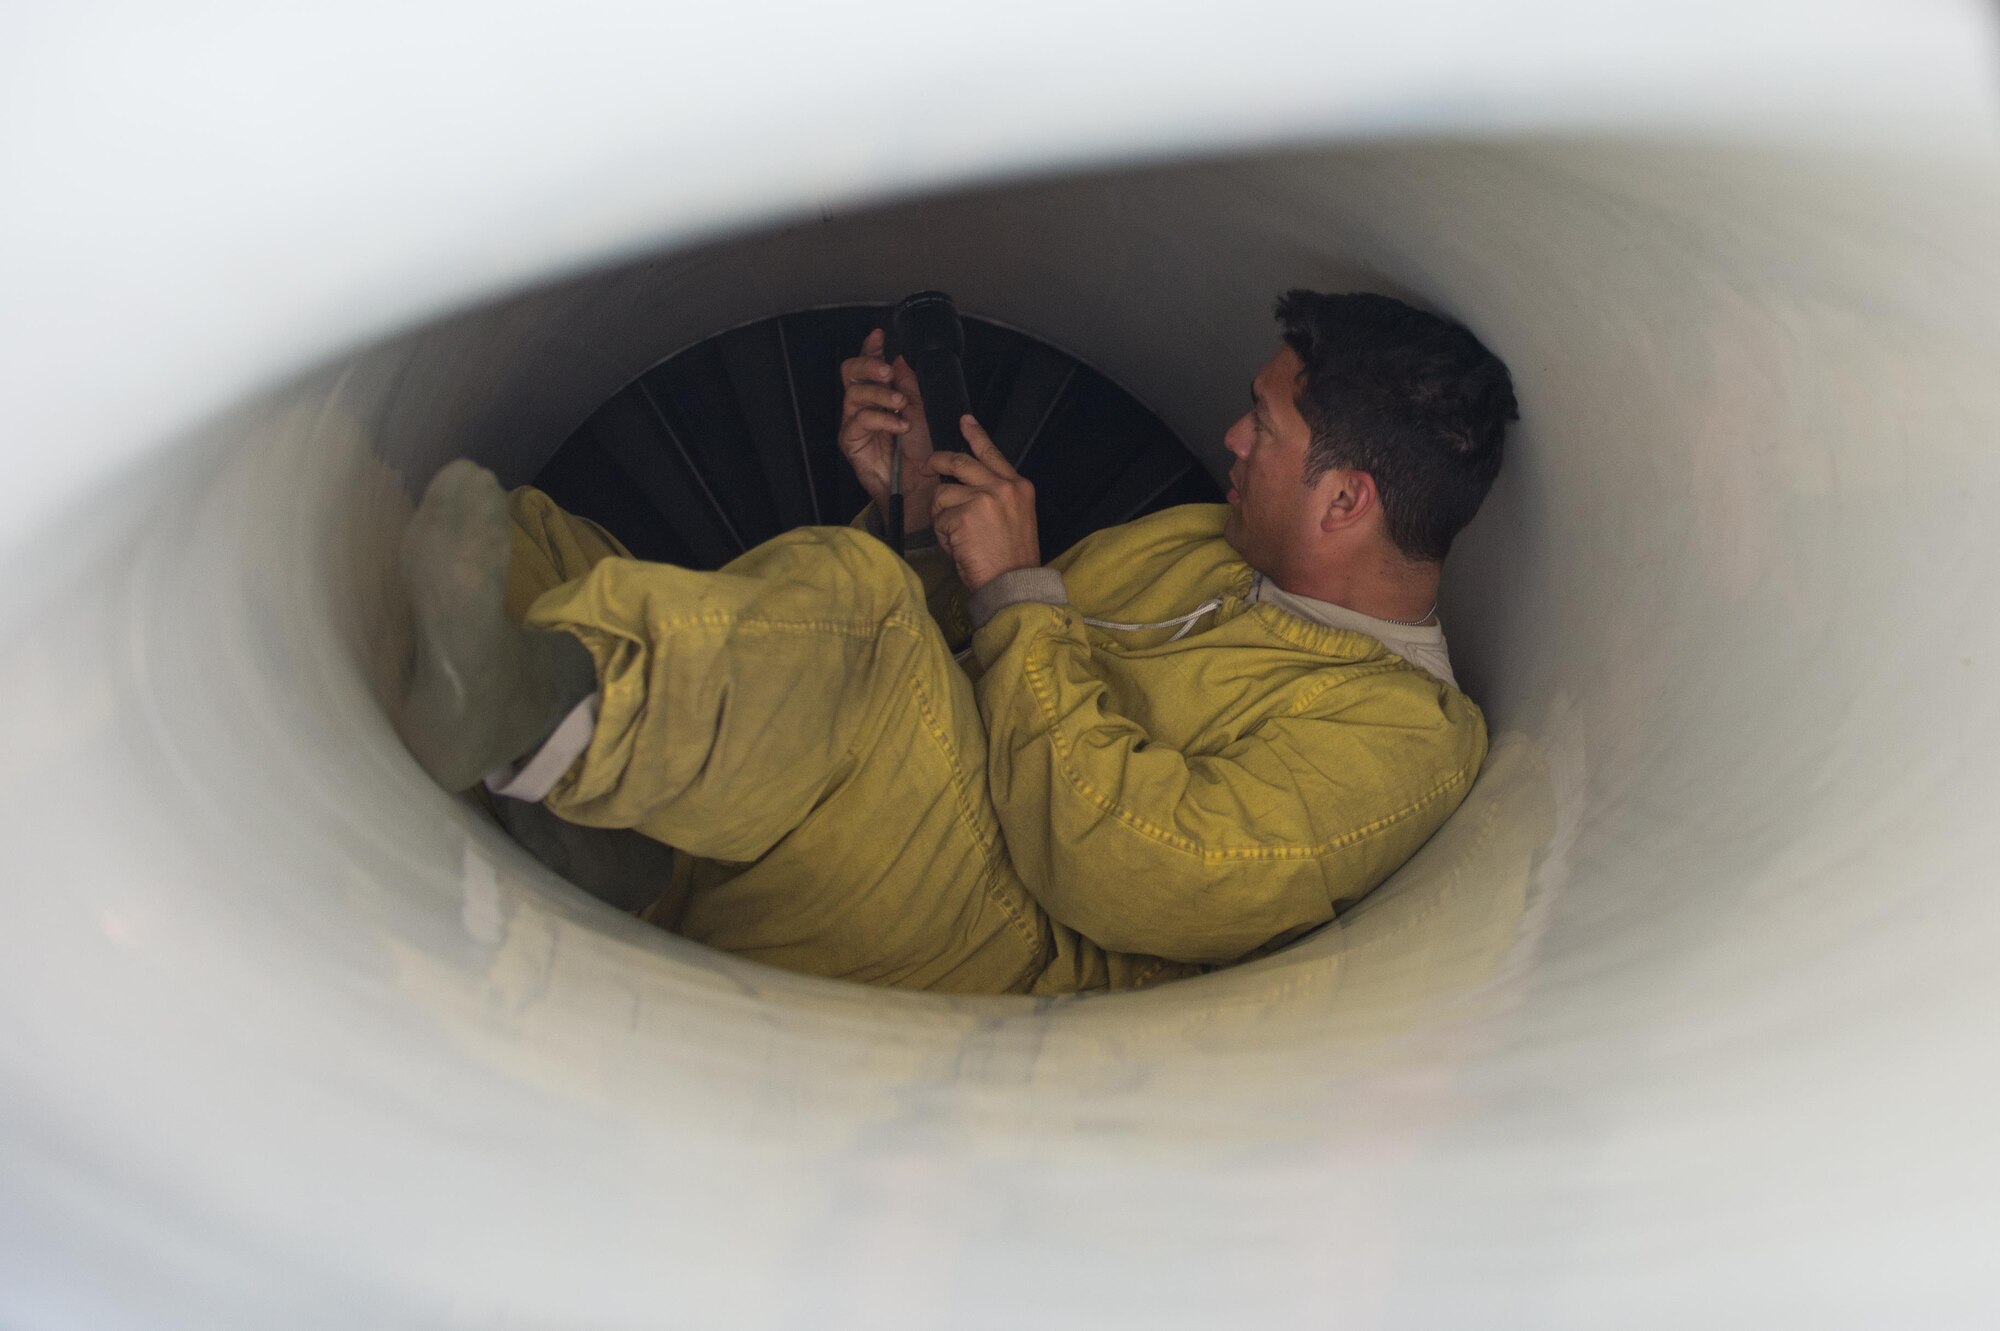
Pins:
x,y
925,330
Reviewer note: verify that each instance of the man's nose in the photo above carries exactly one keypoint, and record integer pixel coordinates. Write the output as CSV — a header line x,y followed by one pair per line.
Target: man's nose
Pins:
x,y
1237,438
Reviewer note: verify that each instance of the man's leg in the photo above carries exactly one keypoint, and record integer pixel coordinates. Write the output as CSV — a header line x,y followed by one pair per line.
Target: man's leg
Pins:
x,y
798,709
466,542
796,720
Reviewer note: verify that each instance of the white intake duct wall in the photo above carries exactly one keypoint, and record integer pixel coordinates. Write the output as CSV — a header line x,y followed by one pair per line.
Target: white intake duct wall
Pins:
x,y
1685,1019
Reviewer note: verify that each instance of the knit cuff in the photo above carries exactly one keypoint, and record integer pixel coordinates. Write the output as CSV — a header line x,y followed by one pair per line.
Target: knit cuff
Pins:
x,y
1023,584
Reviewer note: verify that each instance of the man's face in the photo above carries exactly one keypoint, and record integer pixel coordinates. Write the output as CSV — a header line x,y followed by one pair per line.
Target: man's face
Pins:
x,y
1273,517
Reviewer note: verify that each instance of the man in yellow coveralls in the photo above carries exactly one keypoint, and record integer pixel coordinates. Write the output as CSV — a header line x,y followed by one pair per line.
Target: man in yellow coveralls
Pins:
x,y
1184,742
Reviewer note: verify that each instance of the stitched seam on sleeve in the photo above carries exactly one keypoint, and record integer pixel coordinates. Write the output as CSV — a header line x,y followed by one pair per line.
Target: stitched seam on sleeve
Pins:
x,y
1045,701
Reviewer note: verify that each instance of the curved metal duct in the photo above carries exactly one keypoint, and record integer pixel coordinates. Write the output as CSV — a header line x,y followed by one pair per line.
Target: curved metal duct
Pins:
x,y
1684,1018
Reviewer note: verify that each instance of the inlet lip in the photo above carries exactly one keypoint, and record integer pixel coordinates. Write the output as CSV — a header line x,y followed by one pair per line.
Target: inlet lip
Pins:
x,y
607,167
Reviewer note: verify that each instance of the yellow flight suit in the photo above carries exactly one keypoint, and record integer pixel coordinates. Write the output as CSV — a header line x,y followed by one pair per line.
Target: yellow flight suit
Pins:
x,y
1076,808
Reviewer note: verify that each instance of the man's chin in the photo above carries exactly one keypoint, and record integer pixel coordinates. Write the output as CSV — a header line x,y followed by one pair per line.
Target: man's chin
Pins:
x,y
1232,531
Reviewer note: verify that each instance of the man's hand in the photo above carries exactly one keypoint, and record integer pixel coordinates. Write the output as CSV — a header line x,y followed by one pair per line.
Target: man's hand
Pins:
x,y
881,413
986,522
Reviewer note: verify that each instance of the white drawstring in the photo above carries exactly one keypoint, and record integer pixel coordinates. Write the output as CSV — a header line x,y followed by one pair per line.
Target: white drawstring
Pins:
x,y
1186,621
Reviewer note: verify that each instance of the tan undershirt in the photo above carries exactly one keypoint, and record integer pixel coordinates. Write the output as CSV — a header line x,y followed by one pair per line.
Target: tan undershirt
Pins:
x,y
1421,645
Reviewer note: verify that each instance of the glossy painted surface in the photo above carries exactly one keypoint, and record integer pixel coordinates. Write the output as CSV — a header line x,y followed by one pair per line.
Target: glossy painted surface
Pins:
x,y
1685,1019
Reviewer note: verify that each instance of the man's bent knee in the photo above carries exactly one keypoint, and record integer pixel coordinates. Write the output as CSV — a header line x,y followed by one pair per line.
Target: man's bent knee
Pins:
x,y
858,572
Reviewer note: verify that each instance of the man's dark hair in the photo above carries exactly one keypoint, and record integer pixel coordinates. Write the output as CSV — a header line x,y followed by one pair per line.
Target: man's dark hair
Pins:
x,y
1412,399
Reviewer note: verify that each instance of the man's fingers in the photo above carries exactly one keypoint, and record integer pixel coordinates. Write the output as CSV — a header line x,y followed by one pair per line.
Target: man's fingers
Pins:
x,y
984,448
872,395
904,377
946,521
865,370
862,370
952,496
869,367
870,419
854,433
961,467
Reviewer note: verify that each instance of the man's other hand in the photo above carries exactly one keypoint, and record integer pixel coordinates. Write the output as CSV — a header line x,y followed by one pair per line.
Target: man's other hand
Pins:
x,y
986,522
880,413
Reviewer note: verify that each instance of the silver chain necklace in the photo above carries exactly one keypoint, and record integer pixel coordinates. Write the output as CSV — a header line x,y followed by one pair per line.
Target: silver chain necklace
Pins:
x,y
1416,623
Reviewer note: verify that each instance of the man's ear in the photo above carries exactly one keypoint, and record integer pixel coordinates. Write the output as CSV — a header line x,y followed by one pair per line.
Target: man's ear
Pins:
x,y
1348,498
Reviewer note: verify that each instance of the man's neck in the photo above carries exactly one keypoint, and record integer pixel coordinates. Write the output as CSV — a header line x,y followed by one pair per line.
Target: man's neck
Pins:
x,y
1399,591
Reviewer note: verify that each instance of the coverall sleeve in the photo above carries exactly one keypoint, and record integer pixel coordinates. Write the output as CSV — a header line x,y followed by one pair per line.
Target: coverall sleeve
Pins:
x,y
1192,857
944,595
